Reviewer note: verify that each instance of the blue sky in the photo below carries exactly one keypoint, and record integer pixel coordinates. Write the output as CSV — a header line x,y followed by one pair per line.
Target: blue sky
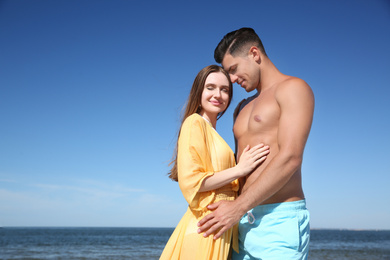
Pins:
x,y
91,94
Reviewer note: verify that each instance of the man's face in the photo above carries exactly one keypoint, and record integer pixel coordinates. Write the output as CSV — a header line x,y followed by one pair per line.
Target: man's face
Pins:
x,y
241,71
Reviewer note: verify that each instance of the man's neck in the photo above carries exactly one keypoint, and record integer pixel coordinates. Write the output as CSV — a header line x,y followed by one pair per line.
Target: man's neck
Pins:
x,y
270,75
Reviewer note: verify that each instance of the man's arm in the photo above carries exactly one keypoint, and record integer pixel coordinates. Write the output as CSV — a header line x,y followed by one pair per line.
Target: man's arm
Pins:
x,y
296,102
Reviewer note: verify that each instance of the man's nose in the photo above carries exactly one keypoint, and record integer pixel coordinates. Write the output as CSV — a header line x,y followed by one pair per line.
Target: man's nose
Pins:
x,y
233,78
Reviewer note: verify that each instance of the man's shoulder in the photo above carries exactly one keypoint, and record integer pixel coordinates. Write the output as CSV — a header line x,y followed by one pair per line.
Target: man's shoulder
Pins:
x,y
242,104
238,109
292,82
293,87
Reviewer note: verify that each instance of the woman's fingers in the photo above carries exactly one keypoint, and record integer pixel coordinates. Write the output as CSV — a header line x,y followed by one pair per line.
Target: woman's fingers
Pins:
x,y
255,155
260,151
256,147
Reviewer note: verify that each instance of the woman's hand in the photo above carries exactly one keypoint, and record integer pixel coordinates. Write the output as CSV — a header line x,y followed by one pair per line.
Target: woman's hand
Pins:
x,y
251,158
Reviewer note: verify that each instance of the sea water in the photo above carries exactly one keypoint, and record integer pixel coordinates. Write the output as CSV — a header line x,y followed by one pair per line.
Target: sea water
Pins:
x,y
148,243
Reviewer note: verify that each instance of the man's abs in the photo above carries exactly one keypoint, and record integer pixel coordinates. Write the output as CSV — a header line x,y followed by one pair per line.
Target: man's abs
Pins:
x,y
292,190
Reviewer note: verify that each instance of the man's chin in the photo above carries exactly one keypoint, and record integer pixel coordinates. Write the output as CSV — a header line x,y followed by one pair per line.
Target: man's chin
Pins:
x,y
247,89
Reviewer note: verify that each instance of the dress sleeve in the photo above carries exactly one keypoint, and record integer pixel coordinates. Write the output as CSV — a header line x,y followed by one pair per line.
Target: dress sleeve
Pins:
x,y
194,162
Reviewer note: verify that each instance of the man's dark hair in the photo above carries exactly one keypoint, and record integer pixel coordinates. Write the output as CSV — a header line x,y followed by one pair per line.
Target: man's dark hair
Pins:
x,y
238,42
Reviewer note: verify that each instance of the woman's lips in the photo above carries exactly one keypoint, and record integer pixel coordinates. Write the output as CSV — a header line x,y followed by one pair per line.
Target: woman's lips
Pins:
x,y
215,103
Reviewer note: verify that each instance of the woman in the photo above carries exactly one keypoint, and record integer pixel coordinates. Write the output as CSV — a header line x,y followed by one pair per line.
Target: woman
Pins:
x,y
205,168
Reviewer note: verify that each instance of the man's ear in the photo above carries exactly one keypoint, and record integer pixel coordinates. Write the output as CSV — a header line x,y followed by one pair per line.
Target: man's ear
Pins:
x,y
254,53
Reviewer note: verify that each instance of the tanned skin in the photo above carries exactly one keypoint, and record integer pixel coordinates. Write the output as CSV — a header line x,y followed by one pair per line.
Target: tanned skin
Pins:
x,y
281,117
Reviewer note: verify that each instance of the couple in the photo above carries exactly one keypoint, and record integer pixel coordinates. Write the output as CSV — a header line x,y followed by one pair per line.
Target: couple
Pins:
x,y
270,129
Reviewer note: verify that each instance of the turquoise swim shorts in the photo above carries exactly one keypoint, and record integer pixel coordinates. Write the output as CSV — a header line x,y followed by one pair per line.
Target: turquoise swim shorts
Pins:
x,y
275,231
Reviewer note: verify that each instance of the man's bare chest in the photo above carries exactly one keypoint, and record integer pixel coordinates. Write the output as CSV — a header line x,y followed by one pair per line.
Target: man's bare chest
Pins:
x,y
260,115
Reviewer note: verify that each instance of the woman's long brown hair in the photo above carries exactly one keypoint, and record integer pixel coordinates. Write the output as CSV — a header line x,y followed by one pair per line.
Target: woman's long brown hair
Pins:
x,y
193,105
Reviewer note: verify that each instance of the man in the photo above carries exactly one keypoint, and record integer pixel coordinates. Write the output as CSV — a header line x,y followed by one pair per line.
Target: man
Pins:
x,y
271,210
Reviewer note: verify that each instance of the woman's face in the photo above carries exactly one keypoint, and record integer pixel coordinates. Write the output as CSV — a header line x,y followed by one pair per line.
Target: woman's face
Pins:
x,y
215,96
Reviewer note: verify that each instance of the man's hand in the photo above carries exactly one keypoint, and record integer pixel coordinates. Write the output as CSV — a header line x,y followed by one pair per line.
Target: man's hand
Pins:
x,y
225,214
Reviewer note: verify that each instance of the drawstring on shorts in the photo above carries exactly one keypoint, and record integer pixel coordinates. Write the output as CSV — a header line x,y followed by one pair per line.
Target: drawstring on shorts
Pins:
x,y
251,218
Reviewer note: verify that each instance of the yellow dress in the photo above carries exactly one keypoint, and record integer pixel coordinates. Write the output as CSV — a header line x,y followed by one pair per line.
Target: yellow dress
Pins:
x,y
201,152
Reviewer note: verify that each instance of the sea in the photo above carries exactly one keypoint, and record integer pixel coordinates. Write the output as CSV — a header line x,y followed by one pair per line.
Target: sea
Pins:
x,y
148,243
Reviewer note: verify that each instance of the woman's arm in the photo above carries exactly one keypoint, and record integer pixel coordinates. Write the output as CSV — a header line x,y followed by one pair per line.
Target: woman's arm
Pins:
x,y
249,160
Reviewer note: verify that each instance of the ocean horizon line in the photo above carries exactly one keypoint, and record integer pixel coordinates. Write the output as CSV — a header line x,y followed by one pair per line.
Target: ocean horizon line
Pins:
x,y
155,227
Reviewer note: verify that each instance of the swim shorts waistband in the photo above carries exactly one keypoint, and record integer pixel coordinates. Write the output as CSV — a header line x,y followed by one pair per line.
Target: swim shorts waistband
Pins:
x,y
279,207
